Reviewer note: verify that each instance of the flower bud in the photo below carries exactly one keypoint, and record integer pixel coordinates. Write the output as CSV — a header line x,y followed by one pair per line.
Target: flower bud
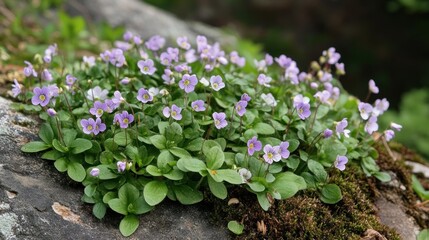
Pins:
x,y
94,172
51,112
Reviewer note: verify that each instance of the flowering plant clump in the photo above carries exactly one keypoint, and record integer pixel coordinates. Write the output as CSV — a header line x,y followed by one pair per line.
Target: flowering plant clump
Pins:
x,y
143,122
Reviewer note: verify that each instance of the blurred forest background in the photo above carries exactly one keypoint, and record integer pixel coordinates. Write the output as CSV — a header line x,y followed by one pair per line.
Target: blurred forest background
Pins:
x,y
384,40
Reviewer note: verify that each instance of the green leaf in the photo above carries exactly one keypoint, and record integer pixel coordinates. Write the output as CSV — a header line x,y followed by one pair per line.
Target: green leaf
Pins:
x,y
217,188
154,192
423,235
174,174
76,171
419,189
208,144
318,170
46,133
288,184
332,150
179,152
106,173
382,176
191,164
164,158
187,195
90,190
61,164
158,141
35,146
256,186
264,129
129,225
330,194
215,158
263,200
80,145
293,144
109,196
110,144
52,155
99,210
153,170
69,135
230,176
128,193
140,206
235,227
122,139
195,145
106,157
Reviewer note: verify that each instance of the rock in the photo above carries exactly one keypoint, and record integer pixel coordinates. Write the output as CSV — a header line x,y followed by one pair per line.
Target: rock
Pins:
x,y
143,19
418,168
38,202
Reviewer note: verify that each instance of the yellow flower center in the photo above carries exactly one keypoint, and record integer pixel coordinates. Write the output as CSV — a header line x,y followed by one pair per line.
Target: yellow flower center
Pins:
x,y
173,113
251,145
125,120
146,96
217,122
99,111
42,97
270,155
89,127
146,69
215,85
187,82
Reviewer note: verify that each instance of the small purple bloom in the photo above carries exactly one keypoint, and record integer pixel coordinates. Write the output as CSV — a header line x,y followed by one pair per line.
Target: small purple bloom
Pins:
x,y
380,107
97,94
341,162
174,112
183,43
245,174
340,68
123,119
117,57
41,97
245,97
198,106
88,125
137,40
303,110
90,61
105,56
121,166
220,120
201,43
236,59
264,80
168,77
111,106
188,82
292,72
144,96
284,152
125,81
99,126
372,87
46,75
253,145
117,98
269,100
341,128
327,133
124,46
94,172
396,126
155,43
323,96
325,77
127,36
299,99
98,109
272,154
371,125
29,70
16,88
240,107
365,110
70,80
216,82
331,55
146,66
51,112
283,61
268,59
389,134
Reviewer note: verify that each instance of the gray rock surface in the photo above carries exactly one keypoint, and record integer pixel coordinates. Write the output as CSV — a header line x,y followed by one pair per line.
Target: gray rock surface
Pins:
x,y
142,18
38,202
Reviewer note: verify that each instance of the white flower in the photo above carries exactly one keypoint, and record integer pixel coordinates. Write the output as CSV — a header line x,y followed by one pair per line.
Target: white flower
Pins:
x,y
96,94
269,99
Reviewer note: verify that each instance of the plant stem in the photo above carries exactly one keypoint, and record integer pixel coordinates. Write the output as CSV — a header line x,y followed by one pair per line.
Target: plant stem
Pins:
x,y
314,118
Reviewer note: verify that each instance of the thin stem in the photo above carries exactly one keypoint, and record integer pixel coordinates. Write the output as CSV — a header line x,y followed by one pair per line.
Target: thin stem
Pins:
x,y
60,134
314,118
290,121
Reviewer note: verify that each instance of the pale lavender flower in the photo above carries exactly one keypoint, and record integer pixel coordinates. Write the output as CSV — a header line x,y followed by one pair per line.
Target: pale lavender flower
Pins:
x,y
291,73
314,85
124,46
396,126
153,91
144,55
253,145
190,56
183,43
29,70
283,61
327,133
204,82
283,149
240,107
219,120
380,107
165,59
41,97
94,172
174,54
323,96
168,77
299,99
144,96
121,166
117,98
70,80
245,174
331,55
88,125
125,81
216,82
51,112
303,110
54,91
269,100
236,59
272,154
123,119
188,82
341,128
90,61
146,66
174,112
16,88
137,40
99,126
340,68
98,109
127,36
155,43
371,125
111,106
106,55
198,106
268,59
201,43
117,57
365,110
372,87
46,75
245,97
261,65
389,134
340,162
264,80
183,68
47,58
96,93
325,77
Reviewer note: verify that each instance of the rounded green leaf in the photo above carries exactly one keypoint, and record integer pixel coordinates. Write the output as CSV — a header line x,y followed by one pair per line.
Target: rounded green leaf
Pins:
x,y
187,195
288,184
154,192
52,155
35,146
383,176
80,145
264,129
129,225
331,194
318,170
46,133
423,235
99,210
76,171
195,145
158,141
215,158
179,152
128,193
217,188
191,164
61,164
230,176
122,139
235,227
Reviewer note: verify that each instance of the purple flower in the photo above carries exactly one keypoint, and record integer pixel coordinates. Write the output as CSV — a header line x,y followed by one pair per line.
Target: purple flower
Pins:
x,y
105,56
125,81
183,68
198,106
268,59
99,126
183,43
380,107
245,97
144,96
70,80
327,133
371,125
264,80
41,97
201,43
117,57
121,166
325,77
146,66
240,107
111,106
340,128
292,72
137,40
190,56
269,100
51,112
16,88
168,77
155,43
283,61
331,55
389,134
220,120
124,46
236,59
90,61
188,82
46,75
323,96
173,53
253,145
245,174
117,98
217,83
29,70
284,152
88,125
127,36
299,99
98,109
340,68
174,112
94,172
372,87
272,154
123,119
303,110
365,110
396,126
341,162
97,94
165,59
